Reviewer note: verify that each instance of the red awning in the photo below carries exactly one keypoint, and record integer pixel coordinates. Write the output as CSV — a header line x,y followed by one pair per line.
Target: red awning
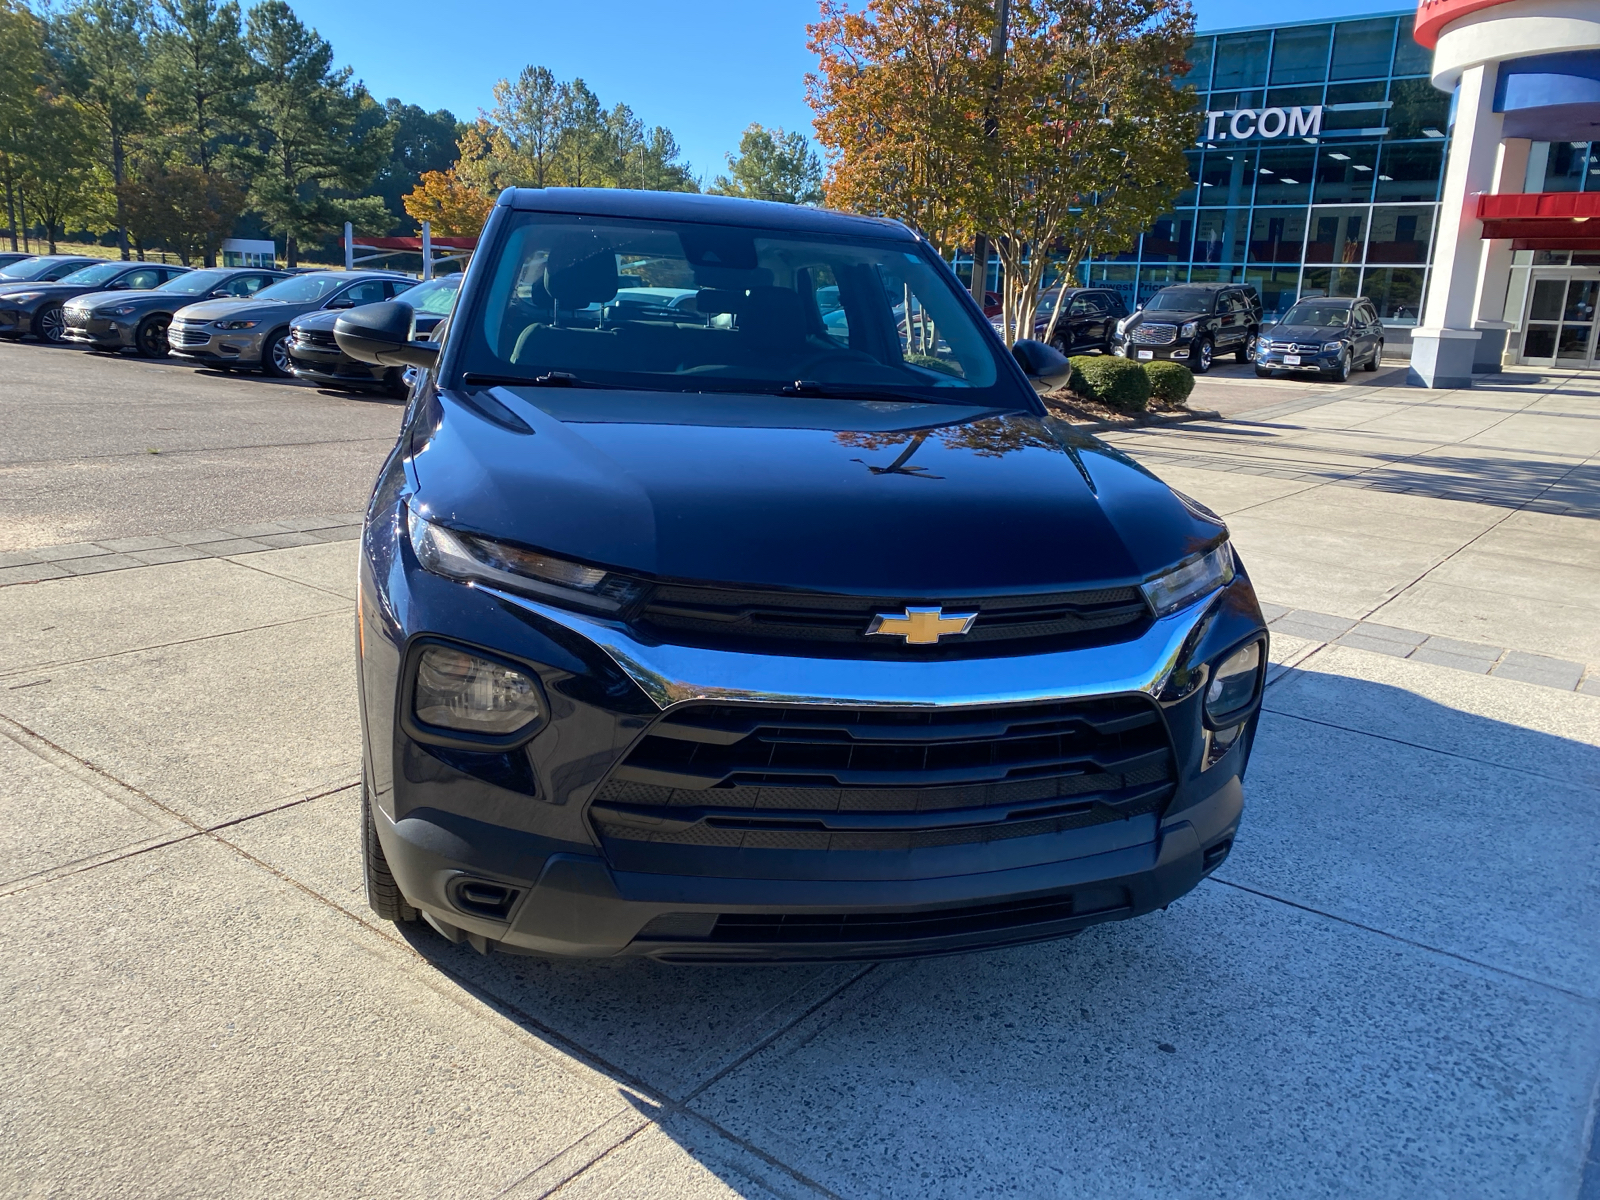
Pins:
x,y
415,243
1543,220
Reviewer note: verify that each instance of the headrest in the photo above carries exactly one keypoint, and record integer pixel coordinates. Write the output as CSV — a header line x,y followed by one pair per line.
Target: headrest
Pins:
x,y
591,280
712,301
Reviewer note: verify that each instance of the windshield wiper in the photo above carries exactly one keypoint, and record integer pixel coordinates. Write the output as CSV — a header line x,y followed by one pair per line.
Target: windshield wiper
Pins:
x,y
549,379
844,391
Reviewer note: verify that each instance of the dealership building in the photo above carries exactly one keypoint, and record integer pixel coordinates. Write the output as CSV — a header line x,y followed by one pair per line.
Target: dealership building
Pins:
x,y
1443,162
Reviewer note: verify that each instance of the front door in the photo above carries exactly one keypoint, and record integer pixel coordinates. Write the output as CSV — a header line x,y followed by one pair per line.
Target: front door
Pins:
x,y
1558,329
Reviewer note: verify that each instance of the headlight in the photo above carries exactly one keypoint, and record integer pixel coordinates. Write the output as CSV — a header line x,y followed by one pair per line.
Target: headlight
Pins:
x,y
122,310
237,324
1188,329
1233,683
20,297
1122,325
458,690
1330,347
476,559
1186,583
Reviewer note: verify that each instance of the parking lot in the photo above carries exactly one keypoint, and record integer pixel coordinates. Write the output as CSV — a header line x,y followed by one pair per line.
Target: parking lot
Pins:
x,y
1391,989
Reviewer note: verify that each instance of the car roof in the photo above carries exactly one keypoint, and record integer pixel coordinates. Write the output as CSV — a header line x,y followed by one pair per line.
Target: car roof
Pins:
x,y
1345,300
354,274
707,210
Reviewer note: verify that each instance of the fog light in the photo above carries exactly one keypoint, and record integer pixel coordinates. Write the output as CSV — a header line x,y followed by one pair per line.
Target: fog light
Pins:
x,y
1233,683
457,690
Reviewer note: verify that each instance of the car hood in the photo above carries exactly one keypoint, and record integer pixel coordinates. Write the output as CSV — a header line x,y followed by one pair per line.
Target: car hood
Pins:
x,y
216,310
1306,333
61,290
92,300
1169,316
905,499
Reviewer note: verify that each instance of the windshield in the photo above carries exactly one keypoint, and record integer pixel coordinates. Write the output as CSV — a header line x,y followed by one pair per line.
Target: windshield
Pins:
x,y
1323,316
196,283
690,307
28,268
99,273
436,297
1170,301
303,289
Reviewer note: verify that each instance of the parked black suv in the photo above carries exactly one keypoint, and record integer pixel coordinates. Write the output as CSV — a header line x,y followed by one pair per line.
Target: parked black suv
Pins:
x,y
1325,333
1088,316
715,633
1193,323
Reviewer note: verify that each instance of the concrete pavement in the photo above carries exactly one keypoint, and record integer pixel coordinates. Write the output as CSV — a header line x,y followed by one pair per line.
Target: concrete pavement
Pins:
x,y
1392,988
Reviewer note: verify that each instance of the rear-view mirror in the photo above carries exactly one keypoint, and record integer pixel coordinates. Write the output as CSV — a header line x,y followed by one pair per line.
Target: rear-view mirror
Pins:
x,y
383,334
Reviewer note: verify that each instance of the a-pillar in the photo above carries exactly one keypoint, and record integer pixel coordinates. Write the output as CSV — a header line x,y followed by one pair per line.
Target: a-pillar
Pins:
x,y
1510,175
1444,346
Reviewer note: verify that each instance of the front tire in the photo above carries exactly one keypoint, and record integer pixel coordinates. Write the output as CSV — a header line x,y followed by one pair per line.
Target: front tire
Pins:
x,y
1342,372
275,360
383,893
1246,351
1200,360
1377,358
151,340
50,325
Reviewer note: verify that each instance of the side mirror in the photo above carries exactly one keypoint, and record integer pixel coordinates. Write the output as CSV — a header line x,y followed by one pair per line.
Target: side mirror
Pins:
x,y
382,334
342,302
1045,366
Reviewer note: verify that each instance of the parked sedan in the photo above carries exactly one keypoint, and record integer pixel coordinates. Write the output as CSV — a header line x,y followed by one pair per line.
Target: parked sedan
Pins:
x,y
43,268
1088,316
139,320
11,258
318,359
36,308
1325,334
253,333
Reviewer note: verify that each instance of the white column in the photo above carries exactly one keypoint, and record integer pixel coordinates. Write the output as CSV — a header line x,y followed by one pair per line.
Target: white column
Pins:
x,y
1442,347
427,250
1494,272
349,247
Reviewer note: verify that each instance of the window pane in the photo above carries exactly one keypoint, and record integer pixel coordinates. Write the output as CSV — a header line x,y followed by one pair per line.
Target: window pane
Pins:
x,y
1355,107
1410,58
1153,279
1277,235
1118,279
1168,239
1283,176
1242,60
1191,193
1300,54
1233,101
1567,166
1396,292
1345,174
1539,342
1336,235
1199,76
1399,235
1580,300
1226,177
1219,236
1279,288
1574,342
1337,281
1361,49
1418,107
1214,274
1410,171
1294,97
1547,297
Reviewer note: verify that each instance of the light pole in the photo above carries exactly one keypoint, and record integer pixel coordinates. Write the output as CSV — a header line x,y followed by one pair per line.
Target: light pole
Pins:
x,y
991,130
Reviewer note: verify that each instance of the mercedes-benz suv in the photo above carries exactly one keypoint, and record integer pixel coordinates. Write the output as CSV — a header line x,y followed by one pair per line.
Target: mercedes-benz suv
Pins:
x,y
721,631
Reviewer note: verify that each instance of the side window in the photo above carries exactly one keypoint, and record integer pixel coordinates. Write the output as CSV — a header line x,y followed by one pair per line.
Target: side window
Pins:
x,y
368,292
1102,303
1082,306
145,277
243,285
62,269
394,287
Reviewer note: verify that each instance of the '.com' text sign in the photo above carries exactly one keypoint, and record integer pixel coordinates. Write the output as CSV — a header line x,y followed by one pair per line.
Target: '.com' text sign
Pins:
x,y
1242,123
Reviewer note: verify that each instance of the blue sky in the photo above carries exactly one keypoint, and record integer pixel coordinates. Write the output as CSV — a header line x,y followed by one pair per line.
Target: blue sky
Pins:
x,y
703,68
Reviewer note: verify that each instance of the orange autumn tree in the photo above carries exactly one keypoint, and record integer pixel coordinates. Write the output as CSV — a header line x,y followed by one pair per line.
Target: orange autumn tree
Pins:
x,y
1070,139
452,207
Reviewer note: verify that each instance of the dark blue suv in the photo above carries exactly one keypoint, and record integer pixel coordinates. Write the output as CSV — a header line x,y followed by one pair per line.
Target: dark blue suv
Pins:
x,y
1326,334
730,594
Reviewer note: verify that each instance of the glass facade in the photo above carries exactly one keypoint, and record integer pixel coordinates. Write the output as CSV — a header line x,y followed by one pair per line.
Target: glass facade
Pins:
x,y
1345,206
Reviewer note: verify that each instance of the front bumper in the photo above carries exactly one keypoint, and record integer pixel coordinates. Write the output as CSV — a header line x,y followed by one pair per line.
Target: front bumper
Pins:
x,y
446,819
100,333
212,347
1176,351
331,368
15,322
1320,360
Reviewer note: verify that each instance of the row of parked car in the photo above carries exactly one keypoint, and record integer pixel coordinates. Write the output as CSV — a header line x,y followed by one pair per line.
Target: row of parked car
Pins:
x,y
226,318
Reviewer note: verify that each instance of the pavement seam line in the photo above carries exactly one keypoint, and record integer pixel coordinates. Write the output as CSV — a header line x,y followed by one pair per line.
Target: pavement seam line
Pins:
x,y
1412,942
633,1117
16,672
56,462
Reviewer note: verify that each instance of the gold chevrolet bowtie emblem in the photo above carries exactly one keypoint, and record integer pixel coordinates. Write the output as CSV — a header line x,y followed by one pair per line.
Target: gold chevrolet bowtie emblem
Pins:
x,y
921,626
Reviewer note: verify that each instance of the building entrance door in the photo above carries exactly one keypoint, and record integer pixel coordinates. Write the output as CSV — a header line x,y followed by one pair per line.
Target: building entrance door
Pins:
x,y
1559,326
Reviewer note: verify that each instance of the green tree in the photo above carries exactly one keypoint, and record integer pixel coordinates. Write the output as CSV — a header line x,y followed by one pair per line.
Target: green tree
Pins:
x,y
101,52
772,165
182,208
22,52
57,167
313,140
420,142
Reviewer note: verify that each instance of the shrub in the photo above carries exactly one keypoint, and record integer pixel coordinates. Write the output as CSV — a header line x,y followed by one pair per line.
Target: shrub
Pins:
x,y
1114,382
1170,382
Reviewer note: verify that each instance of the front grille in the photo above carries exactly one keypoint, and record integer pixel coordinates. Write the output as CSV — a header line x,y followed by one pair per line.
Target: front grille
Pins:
x,y
751,777
1153,335
678,612
1294,347
179,335
316,337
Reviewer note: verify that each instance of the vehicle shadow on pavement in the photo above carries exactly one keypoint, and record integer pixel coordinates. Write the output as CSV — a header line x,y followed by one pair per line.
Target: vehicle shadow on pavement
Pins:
x,y
1389,989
